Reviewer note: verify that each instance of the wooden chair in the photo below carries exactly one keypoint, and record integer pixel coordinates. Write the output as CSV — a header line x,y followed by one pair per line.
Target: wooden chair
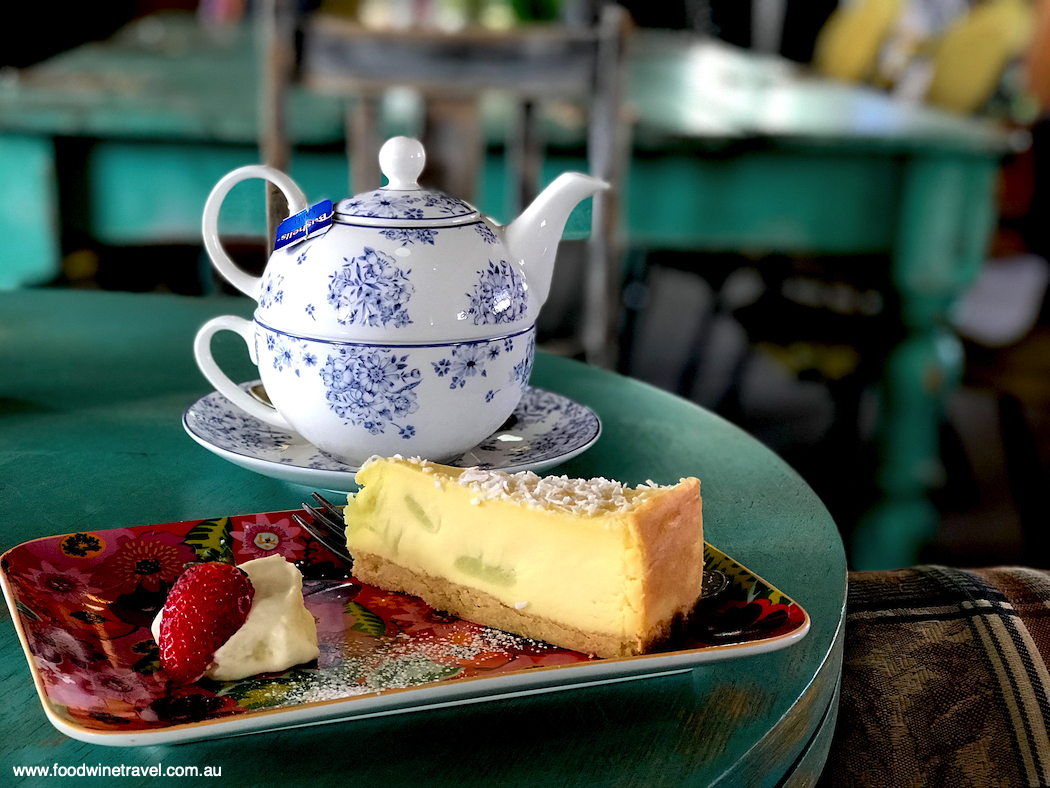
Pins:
x,y
532,63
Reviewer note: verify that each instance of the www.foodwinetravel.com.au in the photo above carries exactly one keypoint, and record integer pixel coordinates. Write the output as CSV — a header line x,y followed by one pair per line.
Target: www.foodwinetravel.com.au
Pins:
x,y
117,770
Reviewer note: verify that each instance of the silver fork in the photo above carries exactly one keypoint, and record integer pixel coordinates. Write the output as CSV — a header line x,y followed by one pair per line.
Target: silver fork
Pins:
x,y
328,528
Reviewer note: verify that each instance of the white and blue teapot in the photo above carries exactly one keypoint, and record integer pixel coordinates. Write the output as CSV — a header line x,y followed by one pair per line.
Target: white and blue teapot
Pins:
x,y
397,321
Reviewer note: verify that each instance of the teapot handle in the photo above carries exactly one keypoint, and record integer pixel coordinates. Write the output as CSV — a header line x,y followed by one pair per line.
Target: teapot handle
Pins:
x,y
246,283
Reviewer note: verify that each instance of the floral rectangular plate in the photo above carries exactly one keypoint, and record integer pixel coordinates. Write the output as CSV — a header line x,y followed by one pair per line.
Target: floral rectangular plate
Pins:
x,y
82,604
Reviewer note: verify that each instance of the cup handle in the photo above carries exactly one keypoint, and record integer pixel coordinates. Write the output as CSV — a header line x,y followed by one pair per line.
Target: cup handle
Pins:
x,y
246,283
221,381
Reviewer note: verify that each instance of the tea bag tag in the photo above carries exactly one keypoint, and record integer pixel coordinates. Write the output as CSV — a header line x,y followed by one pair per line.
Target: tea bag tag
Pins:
x,y
309,223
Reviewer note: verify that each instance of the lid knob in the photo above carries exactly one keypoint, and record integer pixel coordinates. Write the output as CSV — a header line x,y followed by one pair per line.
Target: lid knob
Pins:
x,y
401,159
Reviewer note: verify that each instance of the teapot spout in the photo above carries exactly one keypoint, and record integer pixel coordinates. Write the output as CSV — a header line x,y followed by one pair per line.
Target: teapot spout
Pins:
x,y
533,237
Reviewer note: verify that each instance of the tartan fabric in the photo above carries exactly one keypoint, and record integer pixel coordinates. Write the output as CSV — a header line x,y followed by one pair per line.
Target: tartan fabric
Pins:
x,y
944,680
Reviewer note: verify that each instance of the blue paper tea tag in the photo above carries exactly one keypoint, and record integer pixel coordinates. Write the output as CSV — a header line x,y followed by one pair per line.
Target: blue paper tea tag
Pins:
x,y
305,224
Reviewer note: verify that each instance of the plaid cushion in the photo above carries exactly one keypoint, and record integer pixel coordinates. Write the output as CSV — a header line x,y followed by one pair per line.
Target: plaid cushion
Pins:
x,y
944,680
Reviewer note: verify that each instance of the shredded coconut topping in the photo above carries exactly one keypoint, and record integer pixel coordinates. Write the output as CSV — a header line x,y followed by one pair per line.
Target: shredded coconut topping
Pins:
x,y
576,496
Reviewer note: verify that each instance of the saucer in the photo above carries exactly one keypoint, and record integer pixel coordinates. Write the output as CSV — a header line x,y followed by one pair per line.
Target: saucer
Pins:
x,y
546,429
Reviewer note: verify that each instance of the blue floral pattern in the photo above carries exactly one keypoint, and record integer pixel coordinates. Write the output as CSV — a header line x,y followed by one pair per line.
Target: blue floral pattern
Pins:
x,y
548,428
448,206
466,362
271,292
372,388
411,205
227,427
536,406
485,232
408,235
499,295
575,420
370,290
547,424
289,353
382,204
523,369
231,428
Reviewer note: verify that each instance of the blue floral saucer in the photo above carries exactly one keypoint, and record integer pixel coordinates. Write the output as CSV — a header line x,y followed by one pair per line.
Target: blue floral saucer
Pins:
x,y
546,429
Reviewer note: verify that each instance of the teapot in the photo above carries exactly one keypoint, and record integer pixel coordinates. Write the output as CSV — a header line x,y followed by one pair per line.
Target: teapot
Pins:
x,y
400,320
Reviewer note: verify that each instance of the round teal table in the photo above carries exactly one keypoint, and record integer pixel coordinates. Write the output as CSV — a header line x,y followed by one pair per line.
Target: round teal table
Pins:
x,y
92,388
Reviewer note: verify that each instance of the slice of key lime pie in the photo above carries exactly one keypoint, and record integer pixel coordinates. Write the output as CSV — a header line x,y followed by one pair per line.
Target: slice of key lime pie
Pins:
x,y
589,565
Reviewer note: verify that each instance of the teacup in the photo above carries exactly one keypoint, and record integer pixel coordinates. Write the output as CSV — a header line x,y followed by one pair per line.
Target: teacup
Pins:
x,y
353,400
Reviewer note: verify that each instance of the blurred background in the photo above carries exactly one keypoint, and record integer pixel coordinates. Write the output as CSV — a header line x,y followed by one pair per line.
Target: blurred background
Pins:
x,y
830,222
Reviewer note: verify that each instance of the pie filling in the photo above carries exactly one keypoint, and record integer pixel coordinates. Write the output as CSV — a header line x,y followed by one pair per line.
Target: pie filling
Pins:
x,y
585,564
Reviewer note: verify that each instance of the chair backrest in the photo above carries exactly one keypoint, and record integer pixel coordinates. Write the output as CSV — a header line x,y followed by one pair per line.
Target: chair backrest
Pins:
x,y
451,71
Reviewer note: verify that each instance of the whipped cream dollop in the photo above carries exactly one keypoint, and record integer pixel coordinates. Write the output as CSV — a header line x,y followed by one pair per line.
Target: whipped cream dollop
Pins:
x,y
279,631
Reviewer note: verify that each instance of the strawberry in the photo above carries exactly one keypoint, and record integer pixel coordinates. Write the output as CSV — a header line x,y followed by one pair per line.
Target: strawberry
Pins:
x,y
207,604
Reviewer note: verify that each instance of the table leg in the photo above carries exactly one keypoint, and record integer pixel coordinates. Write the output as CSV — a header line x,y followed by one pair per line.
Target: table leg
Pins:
x,y
946,215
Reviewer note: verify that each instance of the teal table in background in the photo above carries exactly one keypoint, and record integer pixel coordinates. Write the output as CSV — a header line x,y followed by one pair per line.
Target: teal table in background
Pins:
x,y
732,152
752,155
92,389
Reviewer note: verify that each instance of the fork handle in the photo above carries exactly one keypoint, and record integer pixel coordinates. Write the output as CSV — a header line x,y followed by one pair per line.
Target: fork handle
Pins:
x,y
234,393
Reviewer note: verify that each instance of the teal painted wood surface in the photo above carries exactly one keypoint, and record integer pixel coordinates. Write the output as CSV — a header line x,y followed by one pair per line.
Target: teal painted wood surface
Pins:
x,y
810,765
145,192
91,397
28,210
762,198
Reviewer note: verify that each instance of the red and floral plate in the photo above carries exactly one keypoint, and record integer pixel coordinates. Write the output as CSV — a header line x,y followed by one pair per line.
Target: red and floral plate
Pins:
x,y
83,603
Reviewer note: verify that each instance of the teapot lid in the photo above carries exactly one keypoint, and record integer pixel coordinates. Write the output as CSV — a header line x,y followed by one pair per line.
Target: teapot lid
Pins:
x,y
402,203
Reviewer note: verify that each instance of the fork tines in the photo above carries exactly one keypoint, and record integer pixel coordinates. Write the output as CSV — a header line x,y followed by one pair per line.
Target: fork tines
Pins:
x,y
331,514
326,525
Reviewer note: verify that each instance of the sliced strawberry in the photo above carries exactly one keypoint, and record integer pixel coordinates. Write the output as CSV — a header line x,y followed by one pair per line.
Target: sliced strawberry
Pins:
x,y
207,604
